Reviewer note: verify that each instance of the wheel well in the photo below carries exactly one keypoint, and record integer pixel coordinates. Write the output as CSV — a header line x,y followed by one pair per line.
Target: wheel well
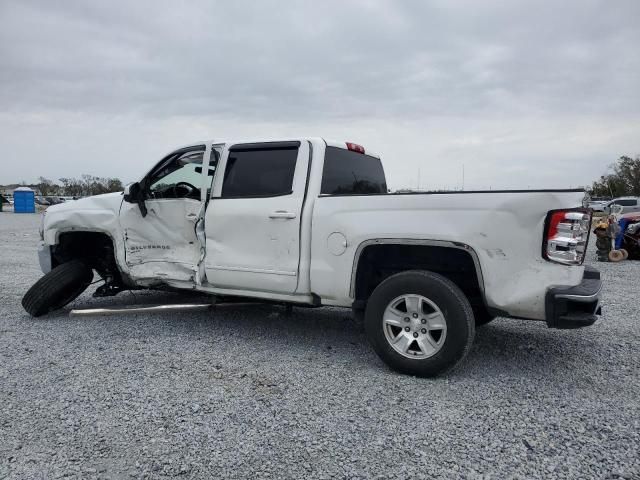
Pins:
x,y
93,248
378,262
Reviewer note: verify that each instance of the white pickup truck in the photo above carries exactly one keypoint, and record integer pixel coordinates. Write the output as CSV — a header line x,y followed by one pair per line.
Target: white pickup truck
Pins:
x,y
310,222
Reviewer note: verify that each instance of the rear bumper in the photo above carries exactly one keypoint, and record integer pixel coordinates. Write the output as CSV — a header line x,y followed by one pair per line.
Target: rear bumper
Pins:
x,y
575,307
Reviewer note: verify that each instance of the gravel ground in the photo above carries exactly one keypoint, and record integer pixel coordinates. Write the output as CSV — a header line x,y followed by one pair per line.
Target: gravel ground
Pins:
x,y
248,392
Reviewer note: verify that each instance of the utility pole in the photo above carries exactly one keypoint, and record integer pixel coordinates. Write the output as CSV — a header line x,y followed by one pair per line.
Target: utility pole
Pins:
x,y
463,177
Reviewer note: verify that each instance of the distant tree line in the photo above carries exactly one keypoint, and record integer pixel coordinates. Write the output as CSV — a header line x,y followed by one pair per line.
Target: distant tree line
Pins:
x,y
622,179
84,186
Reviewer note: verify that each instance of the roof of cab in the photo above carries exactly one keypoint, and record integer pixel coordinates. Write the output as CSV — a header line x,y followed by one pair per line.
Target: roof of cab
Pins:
x,y
330,143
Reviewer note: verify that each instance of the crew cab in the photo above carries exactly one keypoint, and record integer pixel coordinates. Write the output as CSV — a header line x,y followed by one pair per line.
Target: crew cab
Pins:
x,y
311,222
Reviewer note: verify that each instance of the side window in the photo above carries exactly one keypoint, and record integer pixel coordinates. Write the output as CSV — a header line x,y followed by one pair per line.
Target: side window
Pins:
x,y
259,172
180,175
351,173
627,203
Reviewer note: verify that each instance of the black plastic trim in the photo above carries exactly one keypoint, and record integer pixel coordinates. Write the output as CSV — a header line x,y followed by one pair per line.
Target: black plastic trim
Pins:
x,y
591,272
244,147
316,300
181,151
577,306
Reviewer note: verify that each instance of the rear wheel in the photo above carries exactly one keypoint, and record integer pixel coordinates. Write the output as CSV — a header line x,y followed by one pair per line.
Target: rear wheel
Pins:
x,y
55,289
419,323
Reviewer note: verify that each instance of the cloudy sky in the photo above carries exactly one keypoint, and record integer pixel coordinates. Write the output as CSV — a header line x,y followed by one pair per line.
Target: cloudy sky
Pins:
x,y
523,94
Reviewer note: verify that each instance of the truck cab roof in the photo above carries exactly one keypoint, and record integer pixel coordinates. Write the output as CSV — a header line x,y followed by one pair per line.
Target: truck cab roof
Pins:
x,y
329,142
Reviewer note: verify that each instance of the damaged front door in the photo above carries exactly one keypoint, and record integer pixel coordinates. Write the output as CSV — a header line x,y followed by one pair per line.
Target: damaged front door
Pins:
x,y
162,231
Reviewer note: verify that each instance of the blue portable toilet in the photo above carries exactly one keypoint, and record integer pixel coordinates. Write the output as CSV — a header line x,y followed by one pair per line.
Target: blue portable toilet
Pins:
x,y
24,200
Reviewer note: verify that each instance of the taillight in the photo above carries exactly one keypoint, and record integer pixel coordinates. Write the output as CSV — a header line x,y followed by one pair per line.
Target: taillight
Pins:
x,y
566,235
354,147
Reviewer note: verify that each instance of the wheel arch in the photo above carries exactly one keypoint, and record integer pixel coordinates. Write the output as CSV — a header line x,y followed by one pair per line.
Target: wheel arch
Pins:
x,y
97,248
377,259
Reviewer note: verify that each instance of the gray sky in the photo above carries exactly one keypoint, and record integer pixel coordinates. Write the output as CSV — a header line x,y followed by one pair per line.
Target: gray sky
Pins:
x,y
524,94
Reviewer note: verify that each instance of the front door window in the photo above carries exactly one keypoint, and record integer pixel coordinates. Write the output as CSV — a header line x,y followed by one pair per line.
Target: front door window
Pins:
x,y
180,176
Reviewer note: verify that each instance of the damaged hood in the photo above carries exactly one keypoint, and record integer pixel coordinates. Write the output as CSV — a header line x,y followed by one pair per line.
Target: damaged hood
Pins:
x,y
108,201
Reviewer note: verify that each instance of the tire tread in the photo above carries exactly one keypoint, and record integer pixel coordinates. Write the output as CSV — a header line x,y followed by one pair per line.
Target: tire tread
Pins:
x,y
45,295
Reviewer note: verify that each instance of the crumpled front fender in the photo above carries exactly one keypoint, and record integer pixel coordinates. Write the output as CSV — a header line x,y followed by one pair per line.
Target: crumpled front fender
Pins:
x,y
92,214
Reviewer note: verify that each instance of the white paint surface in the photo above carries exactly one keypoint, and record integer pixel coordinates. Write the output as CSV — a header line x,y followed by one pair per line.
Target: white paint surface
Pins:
x,y
250,251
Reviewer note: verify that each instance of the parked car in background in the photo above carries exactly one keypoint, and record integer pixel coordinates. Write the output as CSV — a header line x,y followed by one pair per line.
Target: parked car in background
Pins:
x,y
42,201
628,204
596,205
54,200
5,199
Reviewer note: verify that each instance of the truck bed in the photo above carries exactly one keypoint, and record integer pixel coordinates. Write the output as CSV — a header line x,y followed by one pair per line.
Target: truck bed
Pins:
x,y
502,229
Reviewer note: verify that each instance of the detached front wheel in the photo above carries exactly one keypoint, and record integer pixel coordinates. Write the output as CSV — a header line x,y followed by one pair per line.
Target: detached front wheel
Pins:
x,y
58,287
419,323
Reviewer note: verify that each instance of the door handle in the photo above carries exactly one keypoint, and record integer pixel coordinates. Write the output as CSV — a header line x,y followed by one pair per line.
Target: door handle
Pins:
x,y
192,216
282,214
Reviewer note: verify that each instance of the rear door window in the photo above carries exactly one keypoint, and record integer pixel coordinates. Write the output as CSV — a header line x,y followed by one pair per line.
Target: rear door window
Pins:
x,y
351,173
260,171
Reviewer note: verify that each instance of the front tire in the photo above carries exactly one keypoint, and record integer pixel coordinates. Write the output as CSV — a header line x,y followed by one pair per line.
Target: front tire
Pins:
x,y
419,323
57,288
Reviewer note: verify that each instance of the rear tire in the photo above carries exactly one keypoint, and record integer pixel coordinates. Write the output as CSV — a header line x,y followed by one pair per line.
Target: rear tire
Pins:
x,y
419,323
57,288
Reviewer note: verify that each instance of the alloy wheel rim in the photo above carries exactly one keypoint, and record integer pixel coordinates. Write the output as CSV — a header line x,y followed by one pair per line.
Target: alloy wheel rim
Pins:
x,y
414,326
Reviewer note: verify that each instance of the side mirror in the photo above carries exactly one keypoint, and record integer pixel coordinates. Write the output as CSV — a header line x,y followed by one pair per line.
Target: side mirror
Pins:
x,y
132,192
